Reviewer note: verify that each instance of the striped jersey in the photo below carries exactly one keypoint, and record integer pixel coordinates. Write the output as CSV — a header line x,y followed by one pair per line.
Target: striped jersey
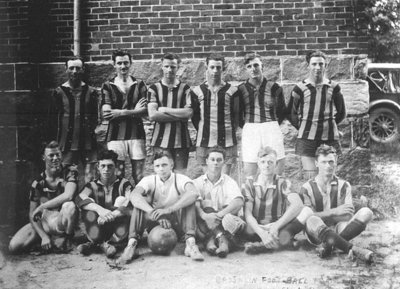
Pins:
x,y
264,104
316,111
214,115
41,191
130,127
98,193
170,134
73,117
337,193
268,204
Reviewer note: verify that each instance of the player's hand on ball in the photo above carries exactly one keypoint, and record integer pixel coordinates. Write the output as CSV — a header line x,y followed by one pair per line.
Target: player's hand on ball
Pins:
x,y
165,223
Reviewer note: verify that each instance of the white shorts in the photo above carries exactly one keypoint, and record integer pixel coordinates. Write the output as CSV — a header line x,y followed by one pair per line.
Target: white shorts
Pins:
x,y
258,135
134,149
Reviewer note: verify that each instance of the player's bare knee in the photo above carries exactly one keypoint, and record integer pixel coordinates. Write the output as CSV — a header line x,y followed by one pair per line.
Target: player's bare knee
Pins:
x,y
314,222
68,209
14,247
305,213
364,215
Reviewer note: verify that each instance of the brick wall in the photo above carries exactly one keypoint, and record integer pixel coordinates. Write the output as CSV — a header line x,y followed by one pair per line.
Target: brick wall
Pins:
x,y
42,30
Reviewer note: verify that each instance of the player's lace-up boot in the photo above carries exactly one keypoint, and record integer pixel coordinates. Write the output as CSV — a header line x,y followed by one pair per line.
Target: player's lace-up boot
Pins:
x,y
86,248
192,251
108,249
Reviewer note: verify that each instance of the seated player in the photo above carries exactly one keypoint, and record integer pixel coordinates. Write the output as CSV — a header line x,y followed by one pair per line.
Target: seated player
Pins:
x,y
274,215
52,212
218,206
104,204
166,199
331,200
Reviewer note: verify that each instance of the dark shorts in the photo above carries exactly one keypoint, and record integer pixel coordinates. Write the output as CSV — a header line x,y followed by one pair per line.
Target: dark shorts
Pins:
x,y
231,155
180,156
307,148
84,156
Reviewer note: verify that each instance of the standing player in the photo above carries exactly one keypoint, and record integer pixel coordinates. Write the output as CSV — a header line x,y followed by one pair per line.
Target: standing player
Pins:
x,y
169,106
166,199
331,200
263,105
52,212
123,104
218,206
273,214
316,107
73,116
214,105
104,208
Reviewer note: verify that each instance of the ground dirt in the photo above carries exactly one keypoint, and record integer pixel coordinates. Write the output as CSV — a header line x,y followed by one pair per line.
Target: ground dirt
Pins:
x,y
300,269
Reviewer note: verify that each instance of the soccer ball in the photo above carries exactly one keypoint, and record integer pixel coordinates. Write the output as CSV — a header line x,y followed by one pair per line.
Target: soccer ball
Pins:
x,y
162,241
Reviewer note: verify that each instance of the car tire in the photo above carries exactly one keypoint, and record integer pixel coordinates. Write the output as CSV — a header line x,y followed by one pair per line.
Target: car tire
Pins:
x,y
384,125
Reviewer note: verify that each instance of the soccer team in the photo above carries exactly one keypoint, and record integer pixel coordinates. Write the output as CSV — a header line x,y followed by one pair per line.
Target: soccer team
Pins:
x,y
212,209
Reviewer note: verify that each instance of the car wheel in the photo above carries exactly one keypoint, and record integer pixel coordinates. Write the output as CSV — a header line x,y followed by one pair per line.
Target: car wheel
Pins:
x,y
384,125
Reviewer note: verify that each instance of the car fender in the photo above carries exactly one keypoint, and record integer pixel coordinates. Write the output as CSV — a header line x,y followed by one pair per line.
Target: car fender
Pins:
x,y
384,102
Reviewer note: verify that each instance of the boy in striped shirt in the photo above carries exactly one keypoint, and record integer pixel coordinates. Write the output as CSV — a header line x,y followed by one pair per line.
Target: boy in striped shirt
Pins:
x,y
169,106
316,106
124,102
274,214
215,113
263,109
104,204
334,222
52,210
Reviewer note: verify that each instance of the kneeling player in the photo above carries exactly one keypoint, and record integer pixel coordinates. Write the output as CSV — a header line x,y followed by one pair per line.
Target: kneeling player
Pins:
x,y
52,212
104,204
166,199
331,200
273,214
219,204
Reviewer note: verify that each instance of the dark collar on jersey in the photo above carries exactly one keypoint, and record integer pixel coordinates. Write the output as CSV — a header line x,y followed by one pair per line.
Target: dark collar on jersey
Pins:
x,y
334,181
263,82
117,180
326,82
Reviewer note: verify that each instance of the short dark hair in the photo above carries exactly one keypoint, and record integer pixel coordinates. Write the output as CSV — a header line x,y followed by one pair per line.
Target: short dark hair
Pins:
x,y
266,151
216,149
52,145
107,155
120,52
251,56
171,56
216,57
74,58
315,53
324,150
161,154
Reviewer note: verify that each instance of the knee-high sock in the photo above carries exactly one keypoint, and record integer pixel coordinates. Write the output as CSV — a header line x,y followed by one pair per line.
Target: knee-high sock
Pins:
x,y
328,236
289,231
353,229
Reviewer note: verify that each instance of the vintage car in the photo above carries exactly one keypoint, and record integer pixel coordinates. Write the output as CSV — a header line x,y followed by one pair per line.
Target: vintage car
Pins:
x,y
384,98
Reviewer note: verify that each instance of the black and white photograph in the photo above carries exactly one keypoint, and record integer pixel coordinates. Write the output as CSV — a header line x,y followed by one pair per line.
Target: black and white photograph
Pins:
x,y
200,144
